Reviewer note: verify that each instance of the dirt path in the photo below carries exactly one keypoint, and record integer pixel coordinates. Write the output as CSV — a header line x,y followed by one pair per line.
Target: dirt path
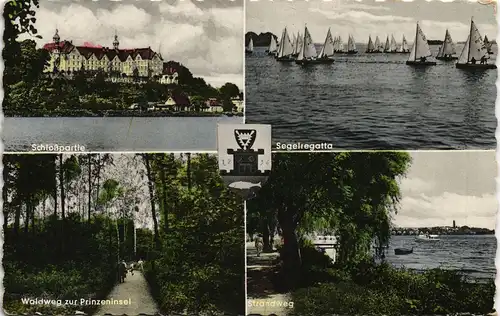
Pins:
x,y
136,289
262,298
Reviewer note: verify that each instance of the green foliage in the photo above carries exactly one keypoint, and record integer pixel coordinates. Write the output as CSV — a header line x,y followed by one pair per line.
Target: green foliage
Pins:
x,y
383,290
350,194
200,267
39,265
56,250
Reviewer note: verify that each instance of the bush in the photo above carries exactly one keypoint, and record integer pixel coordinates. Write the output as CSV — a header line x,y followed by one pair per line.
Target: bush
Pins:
x,y
368,287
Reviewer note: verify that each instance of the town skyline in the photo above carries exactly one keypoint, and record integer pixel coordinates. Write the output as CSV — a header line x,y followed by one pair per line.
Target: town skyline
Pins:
x,y
371,18
182,31
441,187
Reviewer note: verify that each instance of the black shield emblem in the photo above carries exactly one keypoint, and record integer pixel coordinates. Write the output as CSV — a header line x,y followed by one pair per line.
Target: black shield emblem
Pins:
x,y
245,138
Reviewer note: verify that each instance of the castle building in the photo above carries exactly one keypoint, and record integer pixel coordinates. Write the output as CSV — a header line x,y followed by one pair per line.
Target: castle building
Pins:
x,y
142,62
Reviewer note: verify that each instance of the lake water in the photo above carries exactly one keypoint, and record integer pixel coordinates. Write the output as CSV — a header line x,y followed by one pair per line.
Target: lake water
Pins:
x,y
373,101
115,133
474,255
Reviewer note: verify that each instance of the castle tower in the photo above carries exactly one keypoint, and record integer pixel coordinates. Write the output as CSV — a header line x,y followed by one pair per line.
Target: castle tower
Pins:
x,y
57,57
115,42
56,37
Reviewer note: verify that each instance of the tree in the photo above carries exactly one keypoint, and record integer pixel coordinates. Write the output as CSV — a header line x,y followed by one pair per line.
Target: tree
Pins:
x,y
197,102
19,19
229,90
228,105
349,193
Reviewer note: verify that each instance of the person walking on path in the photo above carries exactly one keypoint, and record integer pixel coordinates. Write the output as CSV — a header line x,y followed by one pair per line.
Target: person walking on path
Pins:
x,y
259,244
141,265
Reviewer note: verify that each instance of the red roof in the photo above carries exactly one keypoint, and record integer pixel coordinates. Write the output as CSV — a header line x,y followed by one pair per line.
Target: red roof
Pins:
x,y
181,99
213,102
89,49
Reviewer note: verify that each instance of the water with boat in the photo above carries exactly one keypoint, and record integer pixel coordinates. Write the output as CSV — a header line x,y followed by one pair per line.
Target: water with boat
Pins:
x,y
115,133
412,96
474,255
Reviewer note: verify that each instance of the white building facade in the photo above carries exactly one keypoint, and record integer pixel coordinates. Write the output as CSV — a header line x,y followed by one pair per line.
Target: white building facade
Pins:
x,y
64,56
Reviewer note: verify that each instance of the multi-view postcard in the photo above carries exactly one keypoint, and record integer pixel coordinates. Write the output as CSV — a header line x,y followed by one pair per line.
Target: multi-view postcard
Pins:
x,y
121,76
121,234
372,75
374,233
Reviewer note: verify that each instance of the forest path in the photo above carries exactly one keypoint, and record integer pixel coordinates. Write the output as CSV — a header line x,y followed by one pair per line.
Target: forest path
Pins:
x,y
136,289
262,298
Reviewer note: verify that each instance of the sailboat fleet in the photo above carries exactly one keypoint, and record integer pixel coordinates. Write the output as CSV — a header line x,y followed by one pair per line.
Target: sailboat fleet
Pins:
x,y
302,50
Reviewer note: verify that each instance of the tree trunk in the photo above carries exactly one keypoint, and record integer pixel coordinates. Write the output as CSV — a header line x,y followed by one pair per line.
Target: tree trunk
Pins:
x,y
147,163
4,199
33,226
27,218
188,171
89,186
265,237
17,219
63,202
98,177
165,195
61,186
54,192
292,260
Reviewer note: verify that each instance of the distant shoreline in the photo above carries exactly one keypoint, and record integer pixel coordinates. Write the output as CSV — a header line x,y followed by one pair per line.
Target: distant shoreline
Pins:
x,y
125,113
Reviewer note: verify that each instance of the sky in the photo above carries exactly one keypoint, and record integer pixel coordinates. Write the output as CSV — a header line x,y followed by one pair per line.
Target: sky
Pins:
x,y
205,37
367,17
444,186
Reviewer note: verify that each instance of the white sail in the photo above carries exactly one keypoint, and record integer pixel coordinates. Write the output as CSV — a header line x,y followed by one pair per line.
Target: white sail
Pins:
x,y
474,46
377,44
341,44
387,46
394,45
370,46
420,46
487,43
250,45
351,44
299,42
308,50
294,43
328,47
286,47
440,51
404,45
448,47
273,46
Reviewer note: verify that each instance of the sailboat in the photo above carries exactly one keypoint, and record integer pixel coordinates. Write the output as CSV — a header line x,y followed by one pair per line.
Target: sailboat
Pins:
x,y
351,46
249,48
488,45
387,47
393,48
370,48
447,49
378,46
286,48
339,45
327,50
273,46
295,45
308,53
403,48
420,50
474,54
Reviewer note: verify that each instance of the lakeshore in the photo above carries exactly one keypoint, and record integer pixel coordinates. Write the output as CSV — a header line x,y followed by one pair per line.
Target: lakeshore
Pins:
x,y
117,113
342,257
